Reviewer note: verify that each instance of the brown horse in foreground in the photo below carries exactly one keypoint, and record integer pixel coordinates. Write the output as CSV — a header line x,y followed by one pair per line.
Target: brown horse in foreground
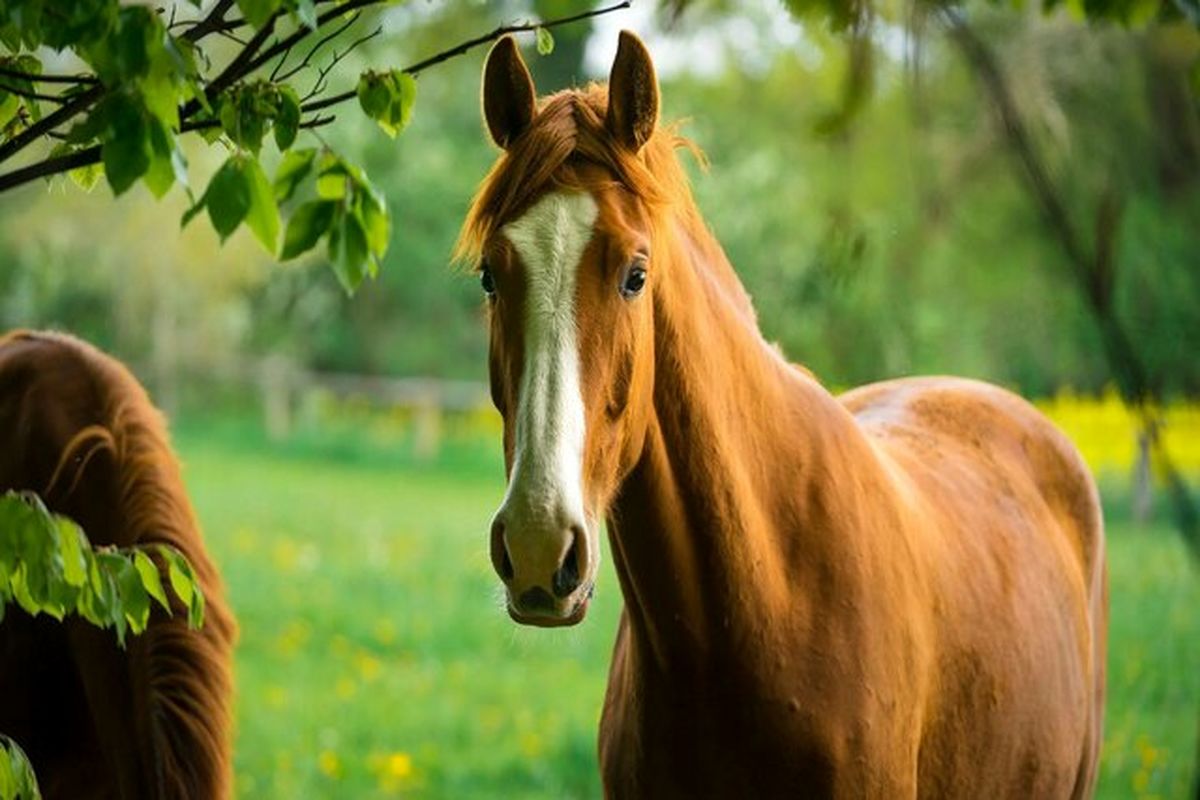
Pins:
x,y
896,593
150,721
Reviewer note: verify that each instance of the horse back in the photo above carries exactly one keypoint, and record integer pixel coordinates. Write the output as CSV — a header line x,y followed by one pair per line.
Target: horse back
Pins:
x,y
1008,518
151,720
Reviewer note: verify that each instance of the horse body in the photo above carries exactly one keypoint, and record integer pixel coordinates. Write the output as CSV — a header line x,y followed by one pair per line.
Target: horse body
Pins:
x,y
898,593
152,720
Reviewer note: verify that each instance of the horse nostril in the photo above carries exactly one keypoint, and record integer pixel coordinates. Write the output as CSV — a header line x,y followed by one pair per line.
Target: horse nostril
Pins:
x,y
566,577
506,567
500,557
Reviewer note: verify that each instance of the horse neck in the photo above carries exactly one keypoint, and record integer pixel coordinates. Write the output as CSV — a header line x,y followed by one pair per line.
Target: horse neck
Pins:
x,y
735,435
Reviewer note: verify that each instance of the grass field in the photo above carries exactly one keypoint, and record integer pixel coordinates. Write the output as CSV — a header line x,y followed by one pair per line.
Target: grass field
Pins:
x,y
376,661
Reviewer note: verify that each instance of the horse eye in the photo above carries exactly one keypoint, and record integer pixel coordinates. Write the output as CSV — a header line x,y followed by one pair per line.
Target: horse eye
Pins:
x,y
487,281
635,281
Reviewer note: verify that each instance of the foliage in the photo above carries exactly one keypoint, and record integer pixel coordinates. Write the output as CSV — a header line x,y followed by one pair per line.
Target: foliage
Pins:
x,y
47,566
150,80
17,781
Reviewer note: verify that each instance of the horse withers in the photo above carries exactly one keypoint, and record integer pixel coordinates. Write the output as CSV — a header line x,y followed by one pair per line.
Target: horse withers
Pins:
x,y
153,720
899,592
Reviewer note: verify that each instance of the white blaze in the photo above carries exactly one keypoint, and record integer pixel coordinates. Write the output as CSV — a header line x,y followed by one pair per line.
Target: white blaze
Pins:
x,y
547,476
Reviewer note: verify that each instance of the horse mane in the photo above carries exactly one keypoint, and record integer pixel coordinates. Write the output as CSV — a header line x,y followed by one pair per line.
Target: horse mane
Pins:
x,y
568,131
183,676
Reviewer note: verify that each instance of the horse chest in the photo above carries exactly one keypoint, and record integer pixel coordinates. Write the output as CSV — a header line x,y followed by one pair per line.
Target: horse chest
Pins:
x,y
733,733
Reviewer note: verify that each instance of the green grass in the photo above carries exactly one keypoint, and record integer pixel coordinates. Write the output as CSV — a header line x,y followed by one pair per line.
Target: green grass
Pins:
x,y
375,659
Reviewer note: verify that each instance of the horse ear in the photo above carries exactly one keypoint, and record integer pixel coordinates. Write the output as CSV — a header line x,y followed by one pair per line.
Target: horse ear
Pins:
x,y
508,94
632,93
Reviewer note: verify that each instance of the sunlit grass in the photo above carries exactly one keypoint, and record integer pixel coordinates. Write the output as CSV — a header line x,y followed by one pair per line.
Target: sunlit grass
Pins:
x,y
376,661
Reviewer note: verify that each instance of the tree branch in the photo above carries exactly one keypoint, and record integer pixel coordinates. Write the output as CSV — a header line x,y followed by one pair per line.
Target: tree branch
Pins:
x,y
470,44
214,21
32,78
50,98
50,166
336,32
244,64
79,103
319,85
84,100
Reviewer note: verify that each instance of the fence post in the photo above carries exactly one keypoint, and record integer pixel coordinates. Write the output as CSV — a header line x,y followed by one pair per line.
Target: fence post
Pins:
x,y
275,381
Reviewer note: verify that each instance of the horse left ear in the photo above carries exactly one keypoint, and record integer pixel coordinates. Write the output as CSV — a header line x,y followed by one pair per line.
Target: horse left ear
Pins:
x,y
509,99
632,94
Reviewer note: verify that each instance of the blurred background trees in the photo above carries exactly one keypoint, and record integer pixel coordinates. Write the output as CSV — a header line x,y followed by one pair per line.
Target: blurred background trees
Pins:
x,y
882,236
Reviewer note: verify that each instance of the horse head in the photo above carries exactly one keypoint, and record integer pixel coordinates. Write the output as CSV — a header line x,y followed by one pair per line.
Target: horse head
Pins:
x,y
561,233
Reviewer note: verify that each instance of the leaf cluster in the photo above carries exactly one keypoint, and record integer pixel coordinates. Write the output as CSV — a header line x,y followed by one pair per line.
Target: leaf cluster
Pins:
x,y
48,566
17,781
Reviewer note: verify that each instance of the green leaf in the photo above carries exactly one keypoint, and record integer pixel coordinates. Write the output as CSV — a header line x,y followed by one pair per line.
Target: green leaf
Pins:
x,y
228,196
287,118
179,572
191,213
306,226
17,780
306,12
348,253
376,222
135,602
404,96
331,185
88,176
388,98
9,105
294,167
151,579
374,96
244,113
263,215
126,149
112,610
74,543
545,42
196,609
165,161
258,12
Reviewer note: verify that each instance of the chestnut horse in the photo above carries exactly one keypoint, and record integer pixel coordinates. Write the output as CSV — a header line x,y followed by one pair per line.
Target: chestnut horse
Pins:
x,y
895,593
152,720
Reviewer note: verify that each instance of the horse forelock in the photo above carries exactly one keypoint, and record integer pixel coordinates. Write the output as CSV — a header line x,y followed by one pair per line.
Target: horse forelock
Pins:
x,y
568,132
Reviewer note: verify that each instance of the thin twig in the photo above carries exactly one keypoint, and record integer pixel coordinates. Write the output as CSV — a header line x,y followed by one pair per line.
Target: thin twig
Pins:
x,y
231,37
49,98
32,78
301,33
238,68
274,76
320,85
317,47
318,122
470,44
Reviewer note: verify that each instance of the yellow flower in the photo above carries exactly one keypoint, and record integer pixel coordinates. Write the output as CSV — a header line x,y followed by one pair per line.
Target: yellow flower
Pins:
x,y
398,765
330,764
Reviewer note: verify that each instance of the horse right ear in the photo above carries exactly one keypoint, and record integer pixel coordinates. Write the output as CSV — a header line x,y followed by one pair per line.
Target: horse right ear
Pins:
x,y
508,94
